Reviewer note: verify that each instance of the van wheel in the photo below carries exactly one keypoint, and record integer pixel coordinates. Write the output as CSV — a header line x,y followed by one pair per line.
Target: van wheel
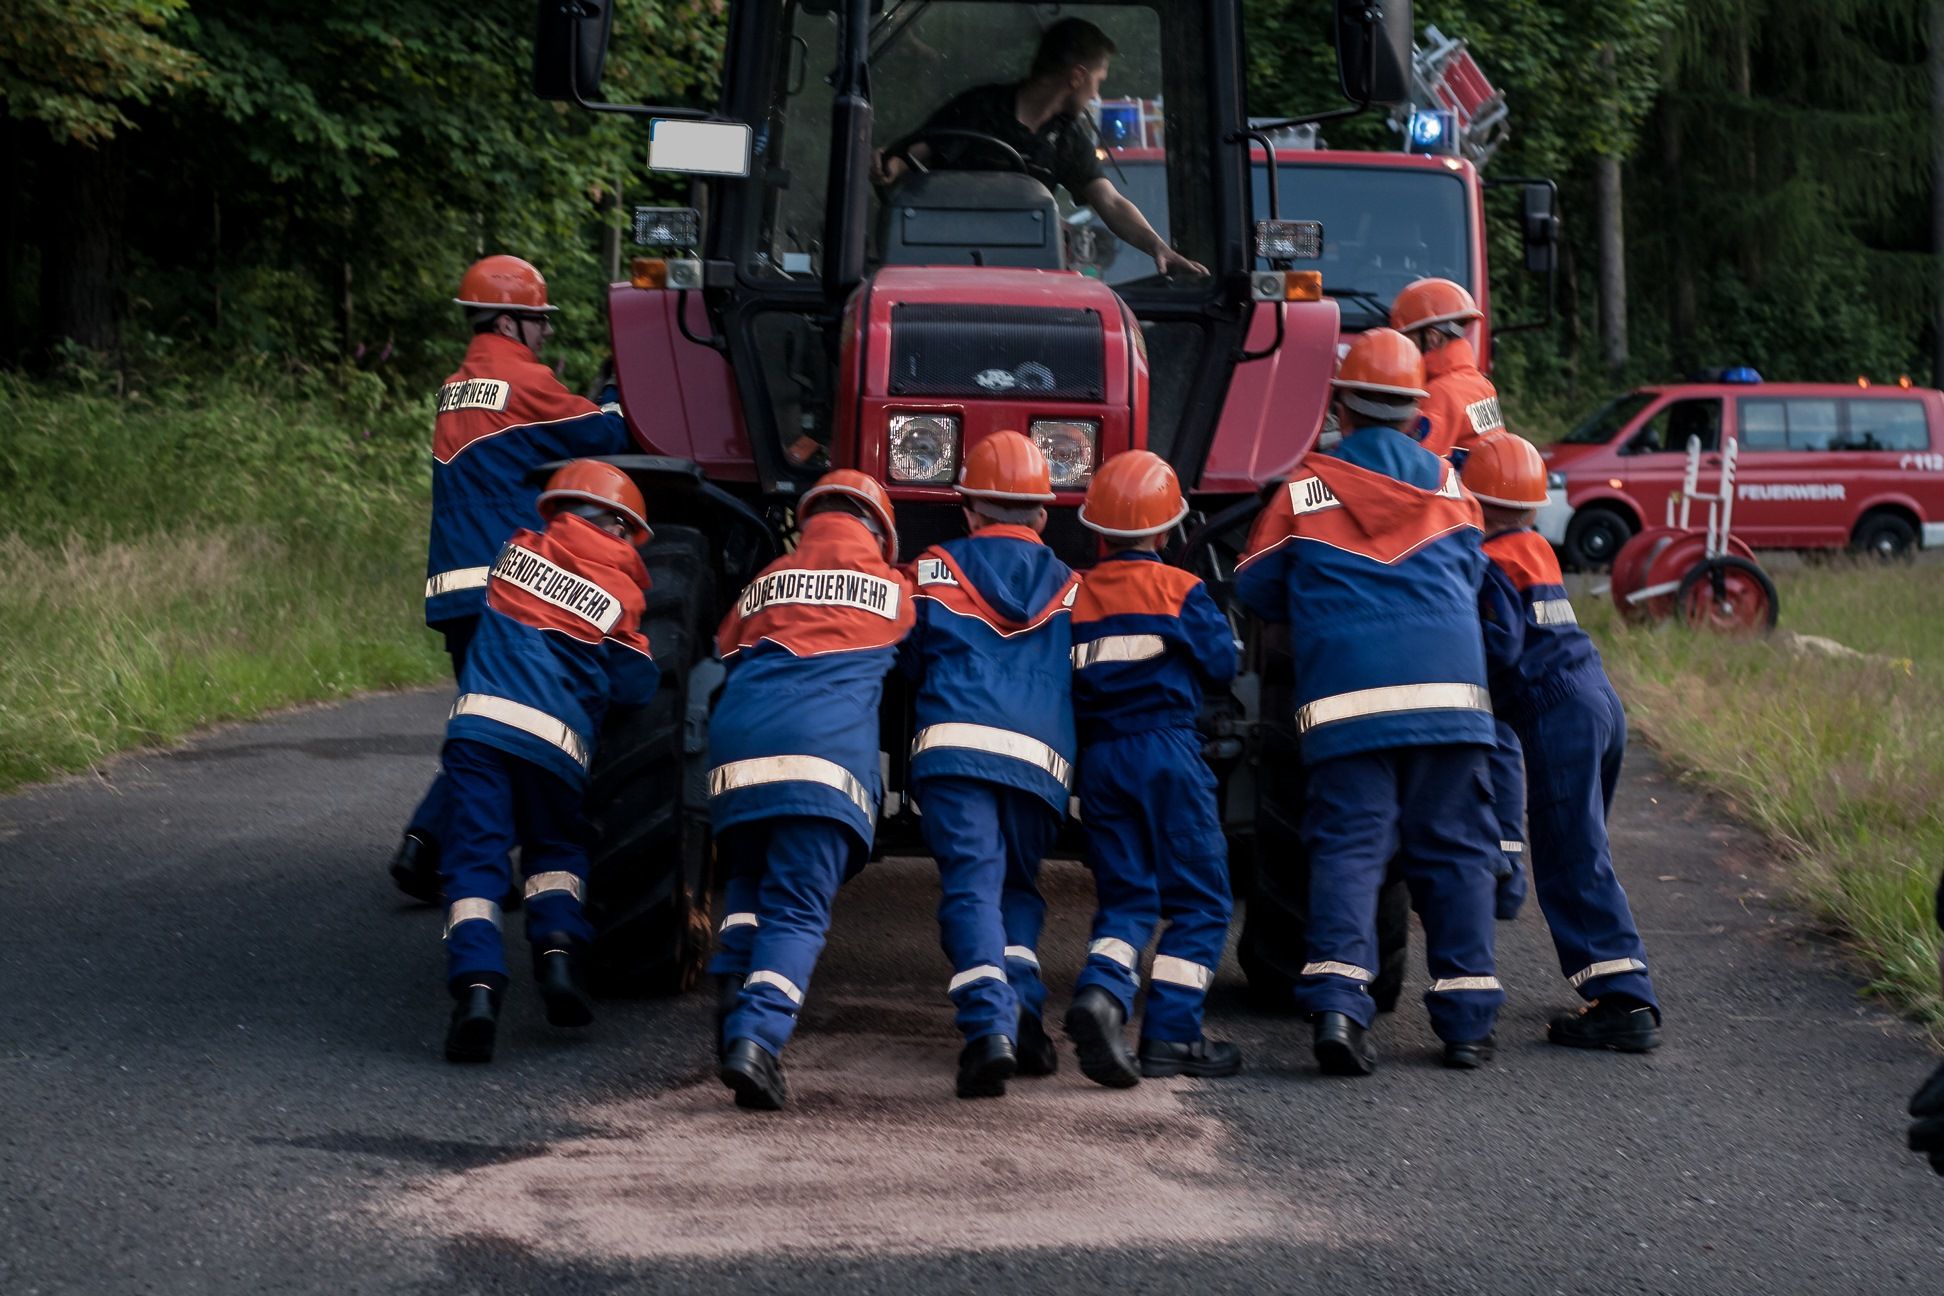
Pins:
x,y
1885,536
1595,537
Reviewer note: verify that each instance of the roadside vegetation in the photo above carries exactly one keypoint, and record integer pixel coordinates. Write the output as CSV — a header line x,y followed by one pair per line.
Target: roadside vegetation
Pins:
x,y
201,553
1839,759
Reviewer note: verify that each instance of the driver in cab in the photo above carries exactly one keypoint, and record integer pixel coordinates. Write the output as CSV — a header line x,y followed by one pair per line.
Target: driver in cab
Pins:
x,y
1041,118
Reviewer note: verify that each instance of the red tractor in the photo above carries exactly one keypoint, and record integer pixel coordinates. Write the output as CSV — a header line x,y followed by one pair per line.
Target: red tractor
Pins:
x,y
797,319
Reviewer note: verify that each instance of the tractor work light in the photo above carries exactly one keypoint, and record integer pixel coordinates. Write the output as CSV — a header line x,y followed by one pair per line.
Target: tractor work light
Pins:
x,y
680,273
924,448
1281,240
667,227
1068,445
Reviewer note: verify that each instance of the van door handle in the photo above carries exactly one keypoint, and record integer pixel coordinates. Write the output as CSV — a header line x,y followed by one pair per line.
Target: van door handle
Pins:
x,y
1711,460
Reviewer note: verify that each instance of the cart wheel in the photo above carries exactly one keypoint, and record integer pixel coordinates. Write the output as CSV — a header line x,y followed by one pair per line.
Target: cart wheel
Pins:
x,y
1730,595
1661,575
1630,567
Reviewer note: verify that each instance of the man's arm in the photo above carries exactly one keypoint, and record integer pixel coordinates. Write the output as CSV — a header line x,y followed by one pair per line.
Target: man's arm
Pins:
x,y
1132,228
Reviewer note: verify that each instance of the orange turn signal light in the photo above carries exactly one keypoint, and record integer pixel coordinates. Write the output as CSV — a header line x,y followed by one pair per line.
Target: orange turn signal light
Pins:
x,y
1302,285
648,272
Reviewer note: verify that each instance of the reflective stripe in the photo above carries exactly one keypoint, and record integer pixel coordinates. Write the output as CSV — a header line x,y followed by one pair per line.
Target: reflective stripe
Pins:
x,y
1023,953
738,920
1118,648
459,578
532,720
1349,971
1179,971
1608,968
1557,611
790,769
983,972
777,979
541,883
1512,848
1451,984
469,910
1117,951
999,742
1391,699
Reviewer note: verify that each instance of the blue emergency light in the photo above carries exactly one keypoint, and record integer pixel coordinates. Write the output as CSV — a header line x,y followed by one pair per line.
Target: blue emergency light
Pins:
x,y
1432,130
1120,125
1740,374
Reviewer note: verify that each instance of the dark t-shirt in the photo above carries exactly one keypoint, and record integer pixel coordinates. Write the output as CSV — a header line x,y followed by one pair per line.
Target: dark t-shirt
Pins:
x,y
1060,152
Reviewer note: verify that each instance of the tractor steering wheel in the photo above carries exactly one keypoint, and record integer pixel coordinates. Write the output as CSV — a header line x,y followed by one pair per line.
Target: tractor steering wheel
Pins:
x,y
1003,151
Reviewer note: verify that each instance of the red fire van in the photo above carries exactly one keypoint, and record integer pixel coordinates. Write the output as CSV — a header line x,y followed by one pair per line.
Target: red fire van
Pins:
x,y
1820,466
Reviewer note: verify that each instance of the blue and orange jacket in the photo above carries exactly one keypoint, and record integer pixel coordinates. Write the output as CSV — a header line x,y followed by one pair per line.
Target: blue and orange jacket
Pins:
x,y
1534,647
502,415
1462,405
559,640
808,645
1147,638
991,654
1371,554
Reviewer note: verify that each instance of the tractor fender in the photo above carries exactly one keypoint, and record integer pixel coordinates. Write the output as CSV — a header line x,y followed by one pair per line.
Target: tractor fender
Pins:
x,y
1275,405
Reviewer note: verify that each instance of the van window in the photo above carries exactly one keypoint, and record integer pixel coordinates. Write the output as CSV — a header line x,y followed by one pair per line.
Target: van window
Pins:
x,y
1668,431
1794,423
1605,423
1886,425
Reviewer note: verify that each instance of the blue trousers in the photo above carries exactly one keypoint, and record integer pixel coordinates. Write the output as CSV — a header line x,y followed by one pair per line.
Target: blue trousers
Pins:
x,y
988,839
1431,807
1576,746
1154,843
428,821
497,801
1509,802
783,875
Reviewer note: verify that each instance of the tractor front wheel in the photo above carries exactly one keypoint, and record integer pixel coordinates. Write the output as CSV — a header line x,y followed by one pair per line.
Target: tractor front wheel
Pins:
x,y
647,799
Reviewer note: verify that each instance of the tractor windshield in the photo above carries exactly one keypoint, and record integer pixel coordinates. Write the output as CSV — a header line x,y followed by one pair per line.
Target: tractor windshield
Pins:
x,y
1065,106
1382,228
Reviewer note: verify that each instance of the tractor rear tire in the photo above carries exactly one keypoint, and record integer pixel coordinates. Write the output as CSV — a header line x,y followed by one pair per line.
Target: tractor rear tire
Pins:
x,y
647,799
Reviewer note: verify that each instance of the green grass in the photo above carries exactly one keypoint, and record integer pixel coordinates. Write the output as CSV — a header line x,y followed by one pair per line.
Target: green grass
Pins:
x,y
196,556
1839,760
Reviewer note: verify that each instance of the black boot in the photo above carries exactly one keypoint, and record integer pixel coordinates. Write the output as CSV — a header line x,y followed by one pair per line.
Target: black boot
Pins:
x,y
1093,1022
728,989
1037,1056
1469,1055
985,1065
475,1021
1342,1047
415,868
557,974
1203,1057
756,1074
1618,1022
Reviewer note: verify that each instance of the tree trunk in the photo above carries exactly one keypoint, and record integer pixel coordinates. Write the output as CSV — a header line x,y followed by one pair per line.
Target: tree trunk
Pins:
x,y
83,198
1613,266
1682,311
1937,186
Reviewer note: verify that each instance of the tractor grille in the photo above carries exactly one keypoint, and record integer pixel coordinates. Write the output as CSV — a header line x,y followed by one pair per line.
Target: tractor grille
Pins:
x,y
996,352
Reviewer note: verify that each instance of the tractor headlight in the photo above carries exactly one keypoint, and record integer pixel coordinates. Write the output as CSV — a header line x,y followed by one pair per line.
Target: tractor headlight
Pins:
x,y
1068,445
924,448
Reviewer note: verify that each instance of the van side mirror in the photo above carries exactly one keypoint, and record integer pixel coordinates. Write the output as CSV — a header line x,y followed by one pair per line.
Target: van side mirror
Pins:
x,y
1373,40
570,46
1541,228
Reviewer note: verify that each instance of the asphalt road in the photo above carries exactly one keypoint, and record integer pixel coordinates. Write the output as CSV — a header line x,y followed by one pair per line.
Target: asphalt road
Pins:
x,y
220,1072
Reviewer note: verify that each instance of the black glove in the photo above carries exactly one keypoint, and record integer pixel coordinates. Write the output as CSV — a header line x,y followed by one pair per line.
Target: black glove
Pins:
x,y
1927,1131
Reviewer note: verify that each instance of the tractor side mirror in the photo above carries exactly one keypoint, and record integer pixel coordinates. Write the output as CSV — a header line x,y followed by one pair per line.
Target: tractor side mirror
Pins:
x,y
570,48
1373,40
1541,228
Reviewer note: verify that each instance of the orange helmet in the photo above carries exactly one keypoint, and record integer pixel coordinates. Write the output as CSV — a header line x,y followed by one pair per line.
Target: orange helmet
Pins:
x,y
503,283
1134,494
1504,469
594,482
1432,301
1008,468
1382,375
863,487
